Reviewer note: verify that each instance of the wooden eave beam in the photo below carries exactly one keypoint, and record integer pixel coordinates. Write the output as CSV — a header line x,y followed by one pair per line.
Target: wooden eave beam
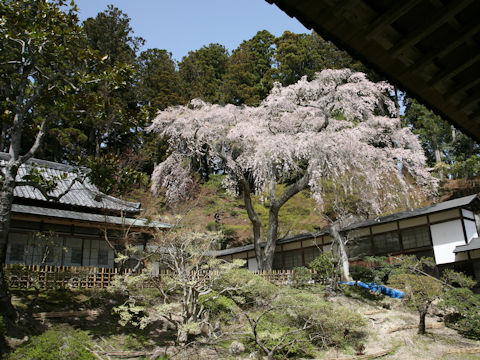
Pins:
x,y
333,26
80,223
463,86
469,101
452,71
434,22
393,13
460,37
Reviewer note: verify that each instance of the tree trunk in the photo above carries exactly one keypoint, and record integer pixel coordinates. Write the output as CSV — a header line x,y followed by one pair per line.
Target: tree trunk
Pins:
x,y
272,232
272,237
6,200
334,231
255,220
438,160
265,258
421,325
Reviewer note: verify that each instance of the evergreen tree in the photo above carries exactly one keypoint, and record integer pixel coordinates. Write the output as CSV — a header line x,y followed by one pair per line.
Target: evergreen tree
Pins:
x,y
157,81
201,73
249,74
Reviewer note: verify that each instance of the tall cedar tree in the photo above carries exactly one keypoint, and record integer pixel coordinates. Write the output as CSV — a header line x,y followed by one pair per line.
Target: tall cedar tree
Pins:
x,y
201,73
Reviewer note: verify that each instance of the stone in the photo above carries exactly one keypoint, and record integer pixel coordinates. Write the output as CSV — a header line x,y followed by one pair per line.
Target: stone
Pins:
x,y
236,348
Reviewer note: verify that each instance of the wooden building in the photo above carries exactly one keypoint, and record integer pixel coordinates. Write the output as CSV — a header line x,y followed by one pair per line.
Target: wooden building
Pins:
x,y
446,231
79,229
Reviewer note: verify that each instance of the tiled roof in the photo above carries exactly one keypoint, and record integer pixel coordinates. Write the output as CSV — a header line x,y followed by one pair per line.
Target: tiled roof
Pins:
x,y
446,205
474,244
82,194
284,240
87,217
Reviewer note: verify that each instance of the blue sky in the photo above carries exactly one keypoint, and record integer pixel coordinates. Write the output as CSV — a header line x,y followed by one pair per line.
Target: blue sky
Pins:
x,y
180,26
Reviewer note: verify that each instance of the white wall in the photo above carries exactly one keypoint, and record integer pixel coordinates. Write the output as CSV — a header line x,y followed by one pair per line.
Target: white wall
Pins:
x,y
470,229
252,264
445,237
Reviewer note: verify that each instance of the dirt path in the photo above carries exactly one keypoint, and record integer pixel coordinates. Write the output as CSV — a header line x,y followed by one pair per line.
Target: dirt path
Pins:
x,y
389,330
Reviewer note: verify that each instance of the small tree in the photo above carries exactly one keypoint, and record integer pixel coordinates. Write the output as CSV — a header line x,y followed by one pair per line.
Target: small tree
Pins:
x,y
463,306
327,270
421,291
409,274
187,283
294,320
335,128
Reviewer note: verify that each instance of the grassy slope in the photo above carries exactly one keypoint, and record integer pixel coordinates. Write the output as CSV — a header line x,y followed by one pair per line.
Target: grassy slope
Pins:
x,y
297,216
382,314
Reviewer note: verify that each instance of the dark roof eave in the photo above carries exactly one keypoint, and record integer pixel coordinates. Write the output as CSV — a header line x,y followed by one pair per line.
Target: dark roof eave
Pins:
x,y
87,217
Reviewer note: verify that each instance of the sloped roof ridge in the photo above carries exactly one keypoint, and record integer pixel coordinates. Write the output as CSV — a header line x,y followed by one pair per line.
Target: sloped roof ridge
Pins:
x,y
46,163
441,206
87,197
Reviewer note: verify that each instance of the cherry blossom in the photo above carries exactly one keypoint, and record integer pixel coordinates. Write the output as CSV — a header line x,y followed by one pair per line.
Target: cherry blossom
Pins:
x,y
338,128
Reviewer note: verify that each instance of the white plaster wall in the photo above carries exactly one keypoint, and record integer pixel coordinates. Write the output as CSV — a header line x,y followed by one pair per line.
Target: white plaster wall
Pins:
x,y
467,213
252,264
445,237
470,229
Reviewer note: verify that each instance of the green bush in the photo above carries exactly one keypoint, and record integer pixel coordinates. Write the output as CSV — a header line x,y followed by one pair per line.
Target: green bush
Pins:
x,y
249,288
301,277
464,314
213,226
276,325
61,342
361,273
296,321
333,325
3,329
327,270
217,305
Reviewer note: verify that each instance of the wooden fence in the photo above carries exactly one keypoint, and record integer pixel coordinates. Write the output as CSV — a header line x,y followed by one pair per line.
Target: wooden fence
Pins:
x,y
55,277
76,277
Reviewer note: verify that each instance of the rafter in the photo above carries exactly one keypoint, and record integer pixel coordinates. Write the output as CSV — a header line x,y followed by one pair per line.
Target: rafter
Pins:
x,y
463,86
392,14
471,100
452,71
434,21
461,37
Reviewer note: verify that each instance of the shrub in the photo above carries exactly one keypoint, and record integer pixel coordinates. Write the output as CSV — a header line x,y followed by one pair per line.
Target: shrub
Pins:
x,y
217,304
361,273
295,320
249,287
213,226
61,342
130,313
332,325
276,325
301,277
327,269
464,315
3,330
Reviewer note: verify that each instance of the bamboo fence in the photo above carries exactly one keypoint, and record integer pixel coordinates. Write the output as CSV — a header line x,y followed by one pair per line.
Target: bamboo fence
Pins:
x,y
80,277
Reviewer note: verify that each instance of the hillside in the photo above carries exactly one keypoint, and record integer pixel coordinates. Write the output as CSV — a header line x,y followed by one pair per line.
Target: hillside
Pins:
x,y
212,208
389,331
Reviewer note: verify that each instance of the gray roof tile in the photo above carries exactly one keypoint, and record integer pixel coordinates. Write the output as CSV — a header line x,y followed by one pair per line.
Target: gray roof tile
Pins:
x,y
83,194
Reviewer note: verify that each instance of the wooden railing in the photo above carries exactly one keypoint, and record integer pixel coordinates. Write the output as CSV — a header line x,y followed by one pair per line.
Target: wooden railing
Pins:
x,y
76,277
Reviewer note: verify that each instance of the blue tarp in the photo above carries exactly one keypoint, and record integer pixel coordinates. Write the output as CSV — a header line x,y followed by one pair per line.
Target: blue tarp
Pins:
x,y
397,294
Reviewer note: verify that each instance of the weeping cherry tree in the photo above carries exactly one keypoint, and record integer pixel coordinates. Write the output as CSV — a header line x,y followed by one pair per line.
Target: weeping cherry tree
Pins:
x,y
338,129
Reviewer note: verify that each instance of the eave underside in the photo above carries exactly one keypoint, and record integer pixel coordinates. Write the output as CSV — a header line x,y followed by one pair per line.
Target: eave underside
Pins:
x,y
428,48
